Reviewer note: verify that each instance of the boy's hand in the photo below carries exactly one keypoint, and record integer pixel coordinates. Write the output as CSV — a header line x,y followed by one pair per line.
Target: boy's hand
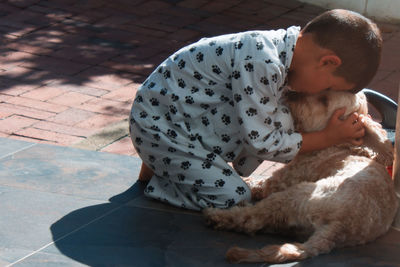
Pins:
x,y
348,130
336,132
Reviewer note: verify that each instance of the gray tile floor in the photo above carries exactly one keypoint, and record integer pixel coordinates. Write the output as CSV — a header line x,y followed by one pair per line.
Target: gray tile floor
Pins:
x,y
61,206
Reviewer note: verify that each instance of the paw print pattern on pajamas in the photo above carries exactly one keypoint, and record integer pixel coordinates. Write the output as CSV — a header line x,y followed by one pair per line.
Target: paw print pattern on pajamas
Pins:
x,y
163,91
166,160
194,90
198,182
206,164
167,74
139,99
251,112
181,177
249,90
174,97
262,151
154,101
236,74
264,100
287,150
156,137
204,106
278,124
185,165
216,69
268,121
229,203
143,114
275,78
205,121
181,83
238,45
224,99
209,92
181,64
155,128
152,158
253,135
225,138
230,155
227,172
211,156
173,109
189,100
264,80
237,97
200,57
149,189
219,51
219,183
249,67
240,190
217,150
226,119
282,56
172,133
197,75
138,141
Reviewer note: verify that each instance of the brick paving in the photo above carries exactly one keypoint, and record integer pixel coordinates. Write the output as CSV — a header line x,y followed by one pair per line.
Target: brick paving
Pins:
x,y
69,69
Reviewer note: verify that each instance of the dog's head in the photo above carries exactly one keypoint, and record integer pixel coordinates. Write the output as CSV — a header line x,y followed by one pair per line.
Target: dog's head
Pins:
x,y
312,113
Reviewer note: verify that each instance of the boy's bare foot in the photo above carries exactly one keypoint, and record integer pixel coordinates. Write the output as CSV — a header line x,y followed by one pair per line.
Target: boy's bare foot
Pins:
x,y
145,173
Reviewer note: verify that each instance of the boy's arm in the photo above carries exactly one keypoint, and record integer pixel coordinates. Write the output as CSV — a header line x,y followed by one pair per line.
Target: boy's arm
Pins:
x,y
337,131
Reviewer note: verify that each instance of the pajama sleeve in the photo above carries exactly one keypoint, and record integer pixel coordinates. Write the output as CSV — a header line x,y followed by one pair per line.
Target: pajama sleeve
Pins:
x,y
266,125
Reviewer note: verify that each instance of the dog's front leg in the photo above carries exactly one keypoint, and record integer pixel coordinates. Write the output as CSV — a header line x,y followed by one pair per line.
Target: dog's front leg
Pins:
x,y
261,189
238,218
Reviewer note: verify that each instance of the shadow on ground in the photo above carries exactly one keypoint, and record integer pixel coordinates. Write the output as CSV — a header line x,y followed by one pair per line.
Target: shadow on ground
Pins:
x,y
72,42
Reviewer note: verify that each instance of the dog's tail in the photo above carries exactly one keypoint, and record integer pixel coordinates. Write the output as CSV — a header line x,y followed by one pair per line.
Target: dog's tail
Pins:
x,y
270,254
322,241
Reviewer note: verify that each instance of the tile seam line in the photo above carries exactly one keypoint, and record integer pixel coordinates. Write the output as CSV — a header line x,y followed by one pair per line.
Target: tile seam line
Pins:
x,y
17,151
64,236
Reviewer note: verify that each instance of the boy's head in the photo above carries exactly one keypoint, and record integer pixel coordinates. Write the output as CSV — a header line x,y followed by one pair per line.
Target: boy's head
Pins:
x,y
339,49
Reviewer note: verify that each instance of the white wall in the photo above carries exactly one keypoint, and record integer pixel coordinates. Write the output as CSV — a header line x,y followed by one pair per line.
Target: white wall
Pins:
x,y
381,10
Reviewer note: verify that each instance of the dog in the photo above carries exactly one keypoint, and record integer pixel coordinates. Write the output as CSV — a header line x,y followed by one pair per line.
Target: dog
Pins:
x,y
339,196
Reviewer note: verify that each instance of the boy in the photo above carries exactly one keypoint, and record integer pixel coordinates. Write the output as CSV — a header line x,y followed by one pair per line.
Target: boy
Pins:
x,y
220,100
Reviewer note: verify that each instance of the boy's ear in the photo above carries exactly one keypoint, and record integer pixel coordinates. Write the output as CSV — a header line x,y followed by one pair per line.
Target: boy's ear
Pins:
x,y
330,60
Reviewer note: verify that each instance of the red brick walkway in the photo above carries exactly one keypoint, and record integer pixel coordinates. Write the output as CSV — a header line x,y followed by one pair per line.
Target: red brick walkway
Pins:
x,y
70,68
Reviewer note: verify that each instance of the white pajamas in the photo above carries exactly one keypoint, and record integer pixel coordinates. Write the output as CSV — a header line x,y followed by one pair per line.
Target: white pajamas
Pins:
x,y
213,102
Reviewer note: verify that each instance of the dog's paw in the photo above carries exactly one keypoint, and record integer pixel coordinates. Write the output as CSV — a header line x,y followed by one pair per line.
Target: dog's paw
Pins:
x,y
256,186
215,218
210,217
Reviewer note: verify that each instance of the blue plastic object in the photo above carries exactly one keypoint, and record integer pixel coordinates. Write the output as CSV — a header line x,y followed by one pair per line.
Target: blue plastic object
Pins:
x,y
387,108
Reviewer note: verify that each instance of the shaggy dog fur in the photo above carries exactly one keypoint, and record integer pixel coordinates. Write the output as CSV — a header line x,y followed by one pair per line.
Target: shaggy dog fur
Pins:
x,y
339,196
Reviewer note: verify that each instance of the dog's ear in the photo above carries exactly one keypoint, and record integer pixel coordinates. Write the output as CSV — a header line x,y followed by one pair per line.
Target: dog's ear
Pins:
x,y
361,101
376,139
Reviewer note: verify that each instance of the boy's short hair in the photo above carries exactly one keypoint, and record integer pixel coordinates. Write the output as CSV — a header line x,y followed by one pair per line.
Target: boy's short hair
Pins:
x,y
355,39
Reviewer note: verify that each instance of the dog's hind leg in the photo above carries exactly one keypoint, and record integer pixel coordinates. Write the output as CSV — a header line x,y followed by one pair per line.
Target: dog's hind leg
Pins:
x,y
322,241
